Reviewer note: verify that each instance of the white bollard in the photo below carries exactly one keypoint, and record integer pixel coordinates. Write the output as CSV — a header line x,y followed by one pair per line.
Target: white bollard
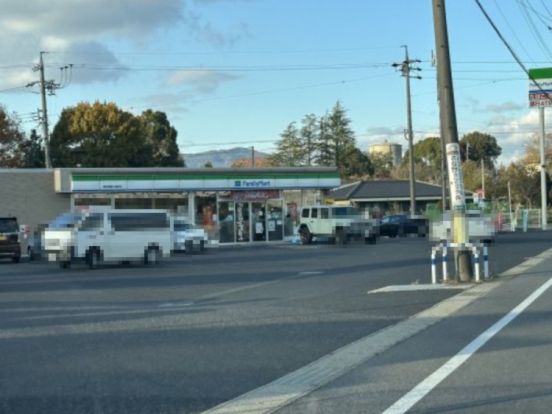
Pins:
x,y
445,269
485,261
475,251
433,266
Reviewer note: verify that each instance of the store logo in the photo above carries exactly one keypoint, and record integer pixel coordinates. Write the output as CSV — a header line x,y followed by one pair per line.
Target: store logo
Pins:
x,y
252,183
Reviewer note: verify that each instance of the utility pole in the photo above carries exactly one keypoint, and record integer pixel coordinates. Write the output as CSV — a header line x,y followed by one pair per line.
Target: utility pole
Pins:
x,y
253,157
442,134
406,68
544,218
456,179
47,160
483,178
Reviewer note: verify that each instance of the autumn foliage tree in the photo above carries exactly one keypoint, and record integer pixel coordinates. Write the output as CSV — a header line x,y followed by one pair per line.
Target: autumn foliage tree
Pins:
x,y
11,141
103,135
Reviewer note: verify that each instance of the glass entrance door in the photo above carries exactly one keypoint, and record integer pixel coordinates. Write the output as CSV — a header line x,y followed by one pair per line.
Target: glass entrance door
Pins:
x,y
258,216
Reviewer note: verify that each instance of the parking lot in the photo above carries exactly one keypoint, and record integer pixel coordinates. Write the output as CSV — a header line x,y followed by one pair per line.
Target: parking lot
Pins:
x,y
197,330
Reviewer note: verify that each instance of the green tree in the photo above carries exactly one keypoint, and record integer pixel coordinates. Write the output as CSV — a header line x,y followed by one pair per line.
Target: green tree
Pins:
x,y
525,184
11,140
481,146
161,137
103,135
325,147
290,150
382,165
33,151
309,135
356,164
427,159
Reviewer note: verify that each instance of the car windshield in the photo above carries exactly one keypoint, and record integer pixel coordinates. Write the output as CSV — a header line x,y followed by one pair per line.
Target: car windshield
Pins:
x,y
8,225
65,221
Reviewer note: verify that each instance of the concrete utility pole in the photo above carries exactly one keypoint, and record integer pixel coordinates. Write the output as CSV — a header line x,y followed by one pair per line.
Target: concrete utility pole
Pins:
x,y
253,157
544,201
442,134
406,68
456,179
47,161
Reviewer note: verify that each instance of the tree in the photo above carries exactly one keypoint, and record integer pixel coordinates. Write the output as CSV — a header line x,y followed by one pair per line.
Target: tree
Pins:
x,y
309,135
427,159
325,148
356,164
525,184
382,165
290,150
11,140
103,135
161,137
33,151
246,163
481,146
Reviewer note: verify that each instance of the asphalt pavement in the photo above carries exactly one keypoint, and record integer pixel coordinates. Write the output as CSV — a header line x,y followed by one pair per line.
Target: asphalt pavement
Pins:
x,y
203,329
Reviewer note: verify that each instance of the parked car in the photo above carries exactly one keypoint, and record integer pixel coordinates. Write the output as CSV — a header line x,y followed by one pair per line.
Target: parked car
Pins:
x,y
187,237
34,242
109,235
338,223
403,224
10,246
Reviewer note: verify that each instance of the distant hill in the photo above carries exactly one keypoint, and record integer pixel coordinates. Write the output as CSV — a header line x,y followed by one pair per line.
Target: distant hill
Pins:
x,y
220,158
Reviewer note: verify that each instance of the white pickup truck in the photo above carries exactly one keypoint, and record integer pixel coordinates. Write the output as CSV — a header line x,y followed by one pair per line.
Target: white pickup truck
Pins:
x,y
338,223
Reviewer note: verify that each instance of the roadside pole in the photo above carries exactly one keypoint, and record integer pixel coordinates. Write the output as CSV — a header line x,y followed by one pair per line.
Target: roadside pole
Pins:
x,y
544,219
455,175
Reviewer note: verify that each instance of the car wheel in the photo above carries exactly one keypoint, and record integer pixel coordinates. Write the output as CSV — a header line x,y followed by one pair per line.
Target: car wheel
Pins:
x,y
30,254
151,256
93,258
305,235
65,264
370,240
15,259
202,246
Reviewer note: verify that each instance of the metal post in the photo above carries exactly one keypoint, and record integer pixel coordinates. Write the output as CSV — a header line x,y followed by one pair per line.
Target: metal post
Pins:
x,y
446,101
444,258
476,262
434,265
542,171
512,224
253,157
485,261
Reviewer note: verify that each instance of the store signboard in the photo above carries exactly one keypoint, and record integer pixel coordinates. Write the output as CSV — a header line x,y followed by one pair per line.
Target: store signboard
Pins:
x,y
540,87
131,183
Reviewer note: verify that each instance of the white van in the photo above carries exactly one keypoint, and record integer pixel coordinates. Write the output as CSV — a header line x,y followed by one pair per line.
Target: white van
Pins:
x,y
109,235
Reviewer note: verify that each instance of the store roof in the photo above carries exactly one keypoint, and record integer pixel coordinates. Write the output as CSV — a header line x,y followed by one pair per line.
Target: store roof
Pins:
x,y
386,190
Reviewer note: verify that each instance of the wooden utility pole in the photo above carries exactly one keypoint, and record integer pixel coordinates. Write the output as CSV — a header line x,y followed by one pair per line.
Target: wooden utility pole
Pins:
x,y
47,161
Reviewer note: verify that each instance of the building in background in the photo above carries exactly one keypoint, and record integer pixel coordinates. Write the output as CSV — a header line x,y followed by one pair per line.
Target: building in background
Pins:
x,y
387,148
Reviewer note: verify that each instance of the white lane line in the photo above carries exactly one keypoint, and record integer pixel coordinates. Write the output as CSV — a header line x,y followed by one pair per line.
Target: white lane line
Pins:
x,y
297,384
428,384
417,287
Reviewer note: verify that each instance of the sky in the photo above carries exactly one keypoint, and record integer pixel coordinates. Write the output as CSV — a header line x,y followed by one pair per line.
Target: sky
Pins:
x,y
237,72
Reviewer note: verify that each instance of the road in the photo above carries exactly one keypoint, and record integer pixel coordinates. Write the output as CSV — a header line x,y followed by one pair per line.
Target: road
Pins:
x,y
200,330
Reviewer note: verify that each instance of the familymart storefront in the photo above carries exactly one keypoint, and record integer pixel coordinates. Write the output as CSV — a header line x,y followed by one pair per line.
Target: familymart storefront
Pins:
x,y
232,205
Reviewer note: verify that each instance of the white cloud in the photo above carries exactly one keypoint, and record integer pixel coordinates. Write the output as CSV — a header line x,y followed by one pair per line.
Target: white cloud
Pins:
x,y
204,81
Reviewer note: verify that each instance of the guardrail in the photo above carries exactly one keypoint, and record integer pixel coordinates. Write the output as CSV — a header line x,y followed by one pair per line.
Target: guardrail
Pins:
x,y
479,251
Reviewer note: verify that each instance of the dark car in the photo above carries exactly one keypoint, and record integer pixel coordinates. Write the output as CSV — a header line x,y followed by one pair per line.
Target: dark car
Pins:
x,y
402,224
9,239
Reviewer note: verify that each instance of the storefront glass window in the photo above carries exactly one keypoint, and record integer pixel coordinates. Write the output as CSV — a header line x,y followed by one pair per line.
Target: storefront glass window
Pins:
x,y
175,205
226,221
242,221
133,203
206,214
275,221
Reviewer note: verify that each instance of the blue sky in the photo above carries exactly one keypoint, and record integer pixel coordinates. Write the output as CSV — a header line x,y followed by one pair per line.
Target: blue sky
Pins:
x,y
236,72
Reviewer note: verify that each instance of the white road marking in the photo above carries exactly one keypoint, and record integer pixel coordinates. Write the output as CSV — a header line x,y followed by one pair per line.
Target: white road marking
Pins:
x,y
310,272
428,384
417,287
297,384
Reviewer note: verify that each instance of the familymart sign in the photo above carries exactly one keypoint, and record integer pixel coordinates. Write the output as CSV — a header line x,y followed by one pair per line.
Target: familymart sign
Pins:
x,y
540,87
